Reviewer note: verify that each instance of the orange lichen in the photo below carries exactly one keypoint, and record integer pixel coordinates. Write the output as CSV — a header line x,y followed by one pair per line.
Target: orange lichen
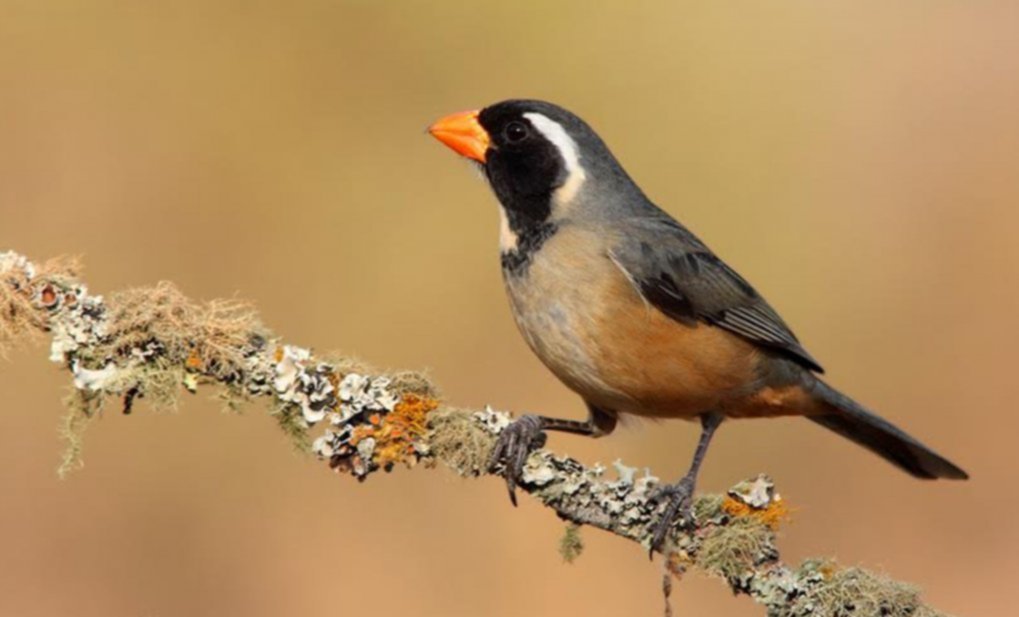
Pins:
x,y
773,515
48,296
194,361
396,432
828,570
677,562
360,432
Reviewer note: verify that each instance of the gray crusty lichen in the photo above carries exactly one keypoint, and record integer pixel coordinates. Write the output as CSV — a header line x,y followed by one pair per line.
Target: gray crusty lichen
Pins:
x,y
823,589
732,536
152,344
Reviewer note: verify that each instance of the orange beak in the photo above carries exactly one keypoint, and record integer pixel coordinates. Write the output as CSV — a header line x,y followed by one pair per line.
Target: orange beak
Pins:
x,y
463,134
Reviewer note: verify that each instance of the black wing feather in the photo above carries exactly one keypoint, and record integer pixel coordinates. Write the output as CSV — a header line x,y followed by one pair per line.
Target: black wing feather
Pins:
x,y
677,274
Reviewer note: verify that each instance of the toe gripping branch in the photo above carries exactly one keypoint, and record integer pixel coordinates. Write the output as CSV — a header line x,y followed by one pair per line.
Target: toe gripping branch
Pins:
x,y
514,444
525,435
518,457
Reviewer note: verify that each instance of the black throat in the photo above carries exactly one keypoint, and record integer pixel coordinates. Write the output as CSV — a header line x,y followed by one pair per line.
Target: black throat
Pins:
x,y
528,214
523,183
524,168
529,240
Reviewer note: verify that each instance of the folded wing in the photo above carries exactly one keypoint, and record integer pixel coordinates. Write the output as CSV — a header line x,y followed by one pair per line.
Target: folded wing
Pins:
x,y
677,274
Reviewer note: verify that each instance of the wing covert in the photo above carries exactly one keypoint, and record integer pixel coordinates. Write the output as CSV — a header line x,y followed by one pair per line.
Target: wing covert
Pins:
x,y
677,274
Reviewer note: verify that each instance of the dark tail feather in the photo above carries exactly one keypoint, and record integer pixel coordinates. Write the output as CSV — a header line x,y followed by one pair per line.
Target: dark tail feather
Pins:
x,y
849,419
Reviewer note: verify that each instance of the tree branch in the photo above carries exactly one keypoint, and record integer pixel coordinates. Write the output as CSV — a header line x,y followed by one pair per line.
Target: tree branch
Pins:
x,y
153,343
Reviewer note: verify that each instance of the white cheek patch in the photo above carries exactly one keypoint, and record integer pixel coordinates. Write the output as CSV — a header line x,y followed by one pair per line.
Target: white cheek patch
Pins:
x,y
557,135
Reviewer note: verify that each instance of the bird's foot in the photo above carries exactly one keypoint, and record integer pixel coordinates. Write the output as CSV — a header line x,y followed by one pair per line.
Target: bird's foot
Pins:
x,y
515,444
680,505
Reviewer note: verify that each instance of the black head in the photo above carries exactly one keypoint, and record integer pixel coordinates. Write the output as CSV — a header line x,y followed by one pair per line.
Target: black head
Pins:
x,y
538,153
522,163
539,159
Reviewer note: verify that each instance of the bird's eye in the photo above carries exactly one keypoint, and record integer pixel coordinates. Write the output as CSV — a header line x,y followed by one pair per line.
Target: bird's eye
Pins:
x,y
515,132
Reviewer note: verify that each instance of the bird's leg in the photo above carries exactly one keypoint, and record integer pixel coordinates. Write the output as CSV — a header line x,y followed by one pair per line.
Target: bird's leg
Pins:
x,y
680,494
527,433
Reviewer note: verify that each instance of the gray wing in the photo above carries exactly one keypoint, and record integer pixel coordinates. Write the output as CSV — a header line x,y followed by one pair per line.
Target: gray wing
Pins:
x,y
680,276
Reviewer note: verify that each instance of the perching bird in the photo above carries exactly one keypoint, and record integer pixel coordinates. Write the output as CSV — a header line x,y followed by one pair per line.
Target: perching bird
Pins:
x,y
632,311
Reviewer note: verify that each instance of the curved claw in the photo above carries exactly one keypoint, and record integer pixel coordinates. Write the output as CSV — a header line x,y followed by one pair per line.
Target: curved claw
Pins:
x,y
680,496
515,444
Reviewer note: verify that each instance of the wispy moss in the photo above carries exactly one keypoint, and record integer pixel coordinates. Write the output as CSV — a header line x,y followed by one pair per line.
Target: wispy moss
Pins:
x,y
19,317
208,337
81,408
855,592
232,399
571,545
291,422
732,550
457,439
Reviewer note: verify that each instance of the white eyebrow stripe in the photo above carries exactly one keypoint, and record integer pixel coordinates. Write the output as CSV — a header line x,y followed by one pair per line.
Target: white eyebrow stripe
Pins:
x,y
555,133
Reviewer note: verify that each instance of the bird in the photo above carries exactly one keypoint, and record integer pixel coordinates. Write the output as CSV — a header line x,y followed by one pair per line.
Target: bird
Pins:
x,y
633,312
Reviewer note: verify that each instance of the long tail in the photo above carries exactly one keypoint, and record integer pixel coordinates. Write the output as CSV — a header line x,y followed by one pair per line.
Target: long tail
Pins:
x,y
851,420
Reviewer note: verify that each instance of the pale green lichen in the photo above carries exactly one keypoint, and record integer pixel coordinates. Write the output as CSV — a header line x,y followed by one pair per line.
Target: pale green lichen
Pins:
x,y
708,508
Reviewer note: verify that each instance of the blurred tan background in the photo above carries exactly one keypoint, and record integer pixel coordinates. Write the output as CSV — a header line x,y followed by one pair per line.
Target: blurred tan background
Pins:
x,y
855,160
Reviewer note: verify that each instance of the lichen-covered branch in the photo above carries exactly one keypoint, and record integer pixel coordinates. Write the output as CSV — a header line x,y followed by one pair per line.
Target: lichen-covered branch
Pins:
x,y
151,344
